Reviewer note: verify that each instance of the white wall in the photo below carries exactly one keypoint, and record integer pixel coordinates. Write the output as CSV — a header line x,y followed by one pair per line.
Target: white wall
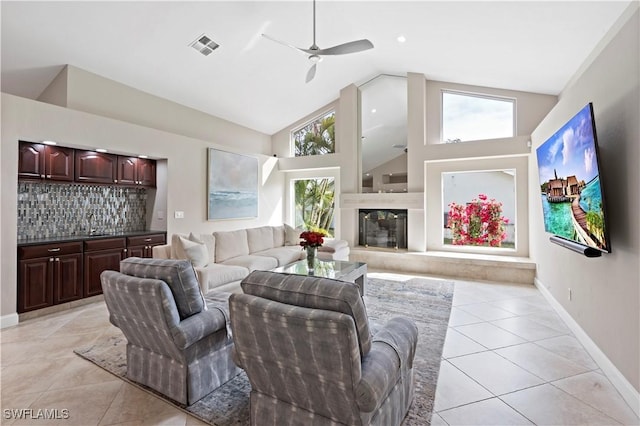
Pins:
x,y
605,291
184,180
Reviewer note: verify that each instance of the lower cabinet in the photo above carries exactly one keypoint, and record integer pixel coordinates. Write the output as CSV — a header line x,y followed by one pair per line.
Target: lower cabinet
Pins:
x,y
101,255
142,246
48,275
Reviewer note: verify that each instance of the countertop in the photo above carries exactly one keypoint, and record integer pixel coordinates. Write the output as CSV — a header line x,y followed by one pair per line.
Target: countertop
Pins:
x,y
71,238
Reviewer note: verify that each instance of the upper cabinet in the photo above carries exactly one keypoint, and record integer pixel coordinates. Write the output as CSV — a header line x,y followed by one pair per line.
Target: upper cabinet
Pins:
x,y
136,171
95,167
40,161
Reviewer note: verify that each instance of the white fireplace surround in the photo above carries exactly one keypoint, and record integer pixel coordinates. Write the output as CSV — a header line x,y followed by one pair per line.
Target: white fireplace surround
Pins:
x,y
385,200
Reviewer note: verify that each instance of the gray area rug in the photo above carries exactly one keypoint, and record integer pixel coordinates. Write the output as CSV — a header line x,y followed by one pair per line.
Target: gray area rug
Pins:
x,y
427,301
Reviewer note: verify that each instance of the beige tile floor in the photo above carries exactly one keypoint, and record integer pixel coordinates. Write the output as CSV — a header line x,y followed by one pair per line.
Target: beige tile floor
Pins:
x,y
508,360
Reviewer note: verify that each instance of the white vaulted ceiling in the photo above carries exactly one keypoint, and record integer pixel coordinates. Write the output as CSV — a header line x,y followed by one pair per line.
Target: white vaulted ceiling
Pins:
x,y
529,46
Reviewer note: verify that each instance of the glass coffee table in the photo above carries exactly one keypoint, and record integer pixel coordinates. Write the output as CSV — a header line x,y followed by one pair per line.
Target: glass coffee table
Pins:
x,y
355,272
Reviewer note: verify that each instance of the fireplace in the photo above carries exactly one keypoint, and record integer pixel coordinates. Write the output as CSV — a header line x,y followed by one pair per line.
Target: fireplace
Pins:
x,y
382,228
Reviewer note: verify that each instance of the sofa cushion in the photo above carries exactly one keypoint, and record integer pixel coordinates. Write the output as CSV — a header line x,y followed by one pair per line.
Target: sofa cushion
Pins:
x,y
314,293
292,235
260,238
278,236
179,276
253,262
215,275
231,244
196,252
284,255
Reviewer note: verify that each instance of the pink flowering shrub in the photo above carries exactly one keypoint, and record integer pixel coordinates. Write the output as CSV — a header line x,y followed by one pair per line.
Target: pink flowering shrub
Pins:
x,y
478,223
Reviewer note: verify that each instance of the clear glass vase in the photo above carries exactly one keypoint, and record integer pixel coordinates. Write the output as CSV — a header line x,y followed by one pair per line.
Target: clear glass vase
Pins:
x,y
311,258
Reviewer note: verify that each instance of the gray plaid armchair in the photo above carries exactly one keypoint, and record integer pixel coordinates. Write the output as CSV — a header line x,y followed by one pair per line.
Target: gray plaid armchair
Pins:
x,y
307,349
177,343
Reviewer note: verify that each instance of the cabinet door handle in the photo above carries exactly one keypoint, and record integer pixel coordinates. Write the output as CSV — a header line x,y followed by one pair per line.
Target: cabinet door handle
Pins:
x,y
51,259
48,176
53,250
125,250
42,176
147,240
57,259
115,181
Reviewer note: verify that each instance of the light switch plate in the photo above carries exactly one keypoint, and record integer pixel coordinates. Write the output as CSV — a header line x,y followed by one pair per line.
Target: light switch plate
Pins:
x,y
178,214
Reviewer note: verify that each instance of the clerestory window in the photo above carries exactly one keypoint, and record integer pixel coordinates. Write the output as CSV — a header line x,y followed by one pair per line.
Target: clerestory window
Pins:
x,y
472,117
317,137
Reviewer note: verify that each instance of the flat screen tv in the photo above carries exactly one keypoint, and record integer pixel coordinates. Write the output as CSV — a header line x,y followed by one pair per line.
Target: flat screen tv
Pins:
x,y
572,195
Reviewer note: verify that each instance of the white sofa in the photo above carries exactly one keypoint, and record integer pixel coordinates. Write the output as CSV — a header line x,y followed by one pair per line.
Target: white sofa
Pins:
x,y
223,259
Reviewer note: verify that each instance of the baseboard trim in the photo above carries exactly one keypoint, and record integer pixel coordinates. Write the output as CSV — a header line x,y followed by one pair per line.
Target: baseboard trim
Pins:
x,y
626,389
8,320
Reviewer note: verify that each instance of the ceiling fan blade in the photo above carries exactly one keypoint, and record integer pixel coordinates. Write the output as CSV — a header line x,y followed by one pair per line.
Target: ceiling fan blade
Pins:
x,y
311,73
342,49
283,43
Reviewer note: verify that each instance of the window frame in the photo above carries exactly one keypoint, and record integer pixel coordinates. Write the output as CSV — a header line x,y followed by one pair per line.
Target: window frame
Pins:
x,y
512,100
321,115
434,202
513,221
312,176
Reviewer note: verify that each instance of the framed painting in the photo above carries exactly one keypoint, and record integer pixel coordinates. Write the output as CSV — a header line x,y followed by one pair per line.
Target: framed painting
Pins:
x,y
232,188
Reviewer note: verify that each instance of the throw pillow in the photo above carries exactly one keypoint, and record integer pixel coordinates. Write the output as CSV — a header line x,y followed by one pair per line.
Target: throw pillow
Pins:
x,y
210,241
176,247
291,235
196,252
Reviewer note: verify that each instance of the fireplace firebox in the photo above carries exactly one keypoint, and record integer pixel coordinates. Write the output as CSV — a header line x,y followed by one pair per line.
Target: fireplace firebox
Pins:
x,y
383,228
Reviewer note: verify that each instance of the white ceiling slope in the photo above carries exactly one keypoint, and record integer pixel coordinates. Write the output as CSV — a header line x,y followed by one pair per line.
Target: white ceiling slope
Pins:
x,y
529,46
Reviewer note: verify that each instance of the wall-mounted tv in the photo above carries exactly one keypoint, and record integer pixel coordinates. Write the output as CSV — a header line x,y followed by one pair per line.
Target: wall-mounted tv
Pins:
x,y
571,191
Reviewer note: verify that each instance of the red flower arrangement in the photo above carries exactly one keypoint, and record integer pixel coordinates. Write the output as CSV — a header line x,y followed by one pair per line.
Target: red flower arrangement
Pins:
x,y
480,222
311,239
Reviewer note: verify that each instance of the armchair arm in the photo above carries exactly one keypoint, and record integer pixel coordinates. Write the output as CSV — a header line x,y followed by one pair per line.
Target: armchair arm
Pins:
x,y
196,327
392,351
401,334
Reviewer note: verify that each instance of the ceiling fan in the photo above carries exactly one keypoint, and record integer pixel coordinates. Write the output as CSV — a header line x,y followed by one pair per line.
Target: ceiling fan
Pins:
x,y
315,53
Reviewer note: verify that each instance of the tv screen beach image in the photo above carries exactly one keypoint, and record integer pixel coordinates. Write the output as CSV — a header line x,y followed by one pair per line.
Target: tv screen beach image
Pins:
x,y
571,194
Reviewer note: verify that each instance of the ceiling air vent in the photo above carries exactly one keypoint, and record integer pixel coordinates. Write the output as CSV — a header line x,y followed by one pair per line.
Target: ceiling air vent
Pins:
x,y
204,45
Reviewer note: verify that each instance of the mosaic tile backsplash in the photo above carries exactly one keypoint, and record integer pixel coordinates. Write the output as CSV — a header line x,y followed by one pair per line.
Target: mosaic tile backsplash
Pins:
x,y
57,210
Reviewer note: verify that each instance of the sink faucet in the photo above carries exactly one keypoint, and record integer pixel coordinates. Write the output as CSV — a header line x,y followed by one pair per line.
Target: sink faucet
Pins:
x,y
90,220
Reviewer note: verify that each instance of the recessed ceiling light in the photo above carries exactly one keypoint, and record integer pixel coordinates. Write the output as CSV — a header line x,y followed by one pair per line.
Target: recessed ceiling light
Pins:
x,y
101,150
401,39
373,111
142,156
50,142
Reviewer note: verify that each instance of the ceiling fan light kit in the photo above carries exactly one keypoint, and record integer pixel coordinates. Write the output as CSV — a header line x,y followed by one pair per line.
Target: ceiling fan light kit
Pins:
x,y
315,53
